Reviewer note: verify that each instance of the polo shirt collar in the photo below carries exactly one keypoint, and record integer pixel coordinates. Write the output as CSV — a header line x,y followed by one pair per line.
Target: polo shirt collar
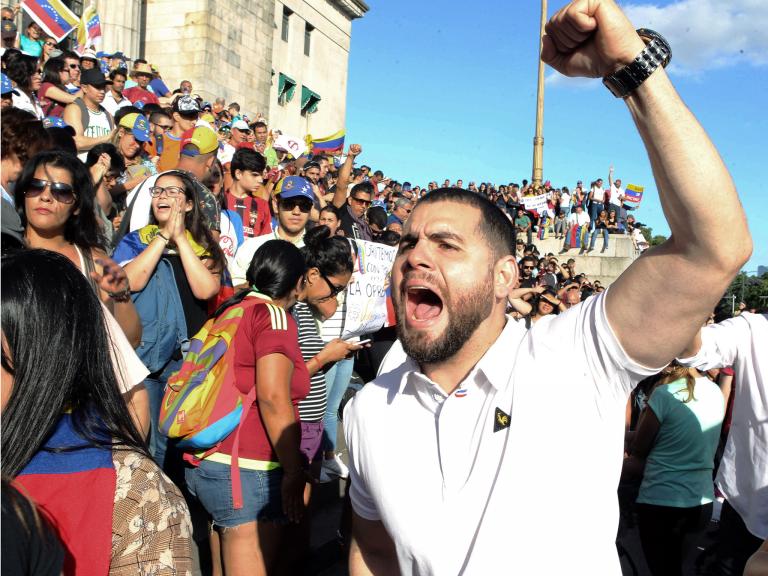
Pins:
x,y
494,365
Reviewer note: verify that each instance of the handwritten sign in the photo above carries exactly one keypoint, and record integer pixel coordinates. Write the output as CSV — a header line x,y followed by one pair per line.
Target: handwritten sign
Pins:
x,y
537,203
368,289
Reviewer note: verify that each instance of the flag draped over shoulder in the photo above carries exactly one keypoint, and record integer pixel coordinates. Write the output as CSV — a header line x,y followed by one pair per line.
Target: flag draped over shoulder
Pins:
x,y
52,16
333,144
89,29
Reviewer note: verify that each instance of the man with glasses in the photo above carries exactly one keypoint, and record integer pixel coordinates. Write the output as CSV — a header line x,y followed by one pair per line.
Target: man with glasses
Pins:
x,y
293,203
160,123
400,212
114,99
186,111
354,207
527,266
72,61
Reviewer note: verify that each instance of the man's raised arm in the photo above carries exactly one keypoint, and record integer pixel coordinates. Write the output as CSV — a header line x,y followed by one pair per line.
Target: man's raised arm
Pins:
x,y
661,300
345,175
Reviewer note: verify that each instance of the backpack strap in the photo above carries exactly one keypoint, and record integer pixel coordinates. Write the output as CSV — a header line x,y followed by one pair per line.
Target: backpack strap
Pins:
x,y
85,118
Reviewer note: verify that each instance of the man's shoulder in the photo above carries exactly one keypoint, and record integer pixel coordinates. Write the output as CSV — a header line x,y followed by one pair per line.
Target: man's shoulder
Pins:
x,y
376,394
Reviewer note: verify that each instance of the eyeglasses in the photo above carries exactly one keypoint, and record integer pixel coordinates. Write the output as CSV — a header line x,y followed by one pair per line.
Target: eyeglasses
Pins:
x,y
170,191
335,290
61,191
528,267
165,127
361,201
75,66
288,204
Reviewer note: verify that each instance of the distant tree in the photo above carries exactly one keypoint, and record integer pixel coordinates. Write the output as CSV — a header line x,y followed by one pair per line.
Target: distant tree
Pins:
x,y
650,238
752,290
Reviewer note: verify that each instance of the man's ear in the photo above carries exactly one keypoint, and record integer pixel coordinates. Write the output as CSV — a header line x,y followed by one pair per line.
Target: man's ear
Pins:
x,y
504,277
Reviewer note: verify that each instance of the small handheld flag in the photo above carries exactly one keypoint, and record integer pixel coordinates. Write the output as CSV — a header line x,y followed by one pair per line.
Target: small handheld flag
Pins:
x,y
52,16
89,29
633,193
333,144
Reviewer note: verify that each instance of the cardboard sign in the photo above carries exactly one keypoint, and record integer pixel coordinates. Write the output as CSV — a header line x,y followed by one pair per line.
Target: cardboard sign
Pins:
x,y
537,203
368,289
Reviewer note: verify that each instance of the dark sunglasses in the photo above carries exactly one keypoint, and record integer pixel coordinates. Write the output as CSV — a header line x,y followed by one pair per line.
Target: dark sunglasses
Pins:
x,y
288,204
335,290
62,192
75,66
361,201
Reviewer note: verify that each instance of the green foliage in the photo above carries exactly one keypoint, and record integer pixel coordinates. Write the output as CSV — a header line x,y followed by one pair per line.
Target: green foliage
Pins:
x,y
650,238
749,289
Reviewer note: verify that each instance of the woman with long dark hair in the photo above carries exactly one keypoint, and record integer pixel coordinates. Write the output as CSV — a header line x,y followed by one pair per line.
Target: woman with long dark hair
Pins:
x,y
67,436
176,237
55,200
26,75
673,450
269,365
52,93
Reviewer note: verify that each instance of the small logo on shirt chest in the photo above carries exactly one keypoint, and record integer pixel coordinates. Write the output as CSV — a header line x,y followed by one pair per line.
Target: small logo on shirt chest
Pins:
x,y
500,420
460,393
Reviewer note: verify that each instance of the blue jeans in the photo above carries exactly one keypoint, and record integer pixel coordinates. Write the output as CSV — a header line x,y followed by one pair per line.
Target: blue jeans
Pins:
x,y
158,444
594,209
336,382
595,232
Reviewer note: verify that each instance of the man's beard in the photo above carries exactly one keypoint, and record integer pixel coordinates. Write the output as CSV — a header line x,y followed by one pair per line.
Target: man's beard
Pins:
x,y
466,312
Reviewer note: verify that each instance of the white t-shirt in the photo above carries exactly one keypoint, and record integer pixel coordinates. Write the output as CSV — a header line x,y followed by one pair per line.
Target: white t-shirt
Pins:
x,y
98,126
617,194
580,219
535,497
112,105
565,202
742,342
24,102
238,266
143,206
598,194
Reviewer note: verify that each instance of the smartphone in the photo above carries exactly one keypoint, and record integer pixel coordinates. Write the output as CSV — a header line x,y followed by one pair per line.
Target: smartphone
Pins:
x,y
362,342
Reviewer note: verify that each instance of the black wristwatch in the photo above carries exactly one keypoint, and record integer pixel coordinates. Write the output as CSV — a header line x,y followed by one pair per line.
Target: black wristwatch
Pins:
x,y
656,53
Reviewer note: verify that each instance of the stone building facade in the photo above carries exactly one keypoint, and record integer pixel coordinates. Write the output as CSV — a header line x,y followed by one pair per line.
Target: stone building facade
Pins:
x,y
286,59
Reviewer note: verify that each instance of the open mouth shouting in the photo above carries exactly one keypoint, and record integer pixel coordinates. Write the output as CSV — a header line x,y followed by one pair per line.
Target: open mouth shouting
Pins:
x,y
423,305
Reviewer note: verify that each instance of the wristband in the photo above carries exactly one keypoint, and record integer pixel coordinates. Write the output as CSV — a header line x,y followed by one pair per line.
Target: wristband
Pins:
x,y
160,234
122,296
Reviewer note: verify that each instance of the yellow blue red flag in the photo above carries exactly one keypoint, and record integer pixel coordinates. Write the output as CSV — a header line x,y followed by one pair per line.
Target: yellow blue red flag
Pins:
x,y
52,15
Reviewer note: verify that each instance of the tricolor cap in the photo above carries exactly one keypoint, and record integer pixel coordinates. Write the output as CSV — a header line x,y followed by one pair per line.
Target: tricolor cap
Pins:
x,y
137,124
138,104
57,122
240,124
9,29
201,137
292,186
7,87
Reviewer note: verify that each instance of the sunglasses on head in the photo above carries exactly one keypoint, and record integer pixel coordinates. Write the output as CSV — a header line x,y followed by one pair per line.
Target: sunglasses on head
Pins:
x,y
288,204
61,191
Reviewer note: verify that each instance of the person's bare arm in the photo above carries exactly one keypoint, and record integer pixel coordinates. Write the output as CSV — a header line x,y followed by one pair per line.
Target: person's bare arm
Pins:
x,y
642,441
137,400
345,173
757,565
61,96
372,551
659,303
273,390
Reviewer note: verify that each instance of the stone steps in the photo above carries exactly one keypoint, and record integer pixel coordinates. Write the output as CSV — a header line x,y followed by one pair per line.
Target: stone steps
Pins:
x,y
605,267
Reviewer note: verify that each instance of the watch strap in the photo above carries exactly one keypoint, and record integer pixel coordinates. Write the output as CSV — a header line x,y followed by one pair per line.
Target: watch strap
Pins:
x,y
624,81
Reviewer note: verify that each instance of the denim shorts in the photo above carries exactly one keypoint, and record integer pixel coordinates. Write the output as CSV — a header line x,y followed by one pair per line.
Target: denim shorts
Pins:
x,y
210,483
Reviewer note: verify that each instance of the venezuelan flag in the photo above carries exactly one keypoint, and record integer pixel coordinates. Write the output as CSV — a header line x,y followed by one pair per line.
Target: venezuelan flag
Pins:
x,y
333,144
89,29
52,15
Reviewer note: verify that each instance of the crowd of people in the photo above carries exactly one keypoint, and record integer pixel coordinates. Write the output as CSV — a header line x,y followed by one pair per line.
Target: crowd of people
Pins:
x,y
142,226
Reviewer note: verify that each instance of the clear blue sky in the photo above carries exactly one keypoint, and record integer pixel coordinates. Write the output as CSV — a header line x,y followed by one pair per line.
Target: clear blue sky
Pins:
x,y
438,90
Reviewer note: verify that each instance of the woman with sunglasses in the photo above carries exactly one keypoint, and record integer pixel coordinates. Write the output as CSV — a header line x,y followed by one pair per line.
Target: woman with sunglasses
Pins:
x,y
56,204
49,45
68,440
23,70
53,93
178,234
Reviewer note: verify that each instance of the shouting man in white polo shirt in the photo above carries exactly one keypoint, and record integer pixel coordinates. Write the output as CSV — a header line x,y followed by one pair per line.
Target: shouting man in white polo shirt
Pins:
x,y
464,458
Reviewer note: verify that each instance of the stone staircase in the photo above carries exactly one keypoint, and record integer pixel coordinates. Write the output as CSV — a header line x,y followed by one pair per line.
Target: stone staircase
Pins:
x,y
605,267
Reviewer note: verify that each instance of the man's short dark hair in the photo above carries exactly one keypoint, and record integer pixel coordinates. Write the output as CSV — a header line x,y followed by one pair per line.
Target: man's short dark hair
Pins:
x,y
494,225
259,125
362,187
247,159
118,72
157,115
70,54
529,259
377,216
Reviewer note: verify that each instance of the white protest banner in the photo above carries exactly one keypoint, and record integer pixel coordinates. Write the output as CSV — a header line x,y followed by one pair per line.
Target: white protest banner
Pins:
x,y
537,203
366,298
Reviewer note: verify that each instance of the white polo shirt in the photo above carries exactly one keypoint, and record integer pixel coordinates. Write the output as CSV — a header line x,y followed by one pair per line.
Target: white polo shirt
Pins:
x,y
460,495
238,266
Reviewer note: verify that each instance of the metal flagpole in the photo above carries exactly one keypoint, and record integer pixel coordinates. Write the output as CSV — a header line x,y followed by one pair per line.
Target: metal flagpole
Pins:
x,y
538,139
